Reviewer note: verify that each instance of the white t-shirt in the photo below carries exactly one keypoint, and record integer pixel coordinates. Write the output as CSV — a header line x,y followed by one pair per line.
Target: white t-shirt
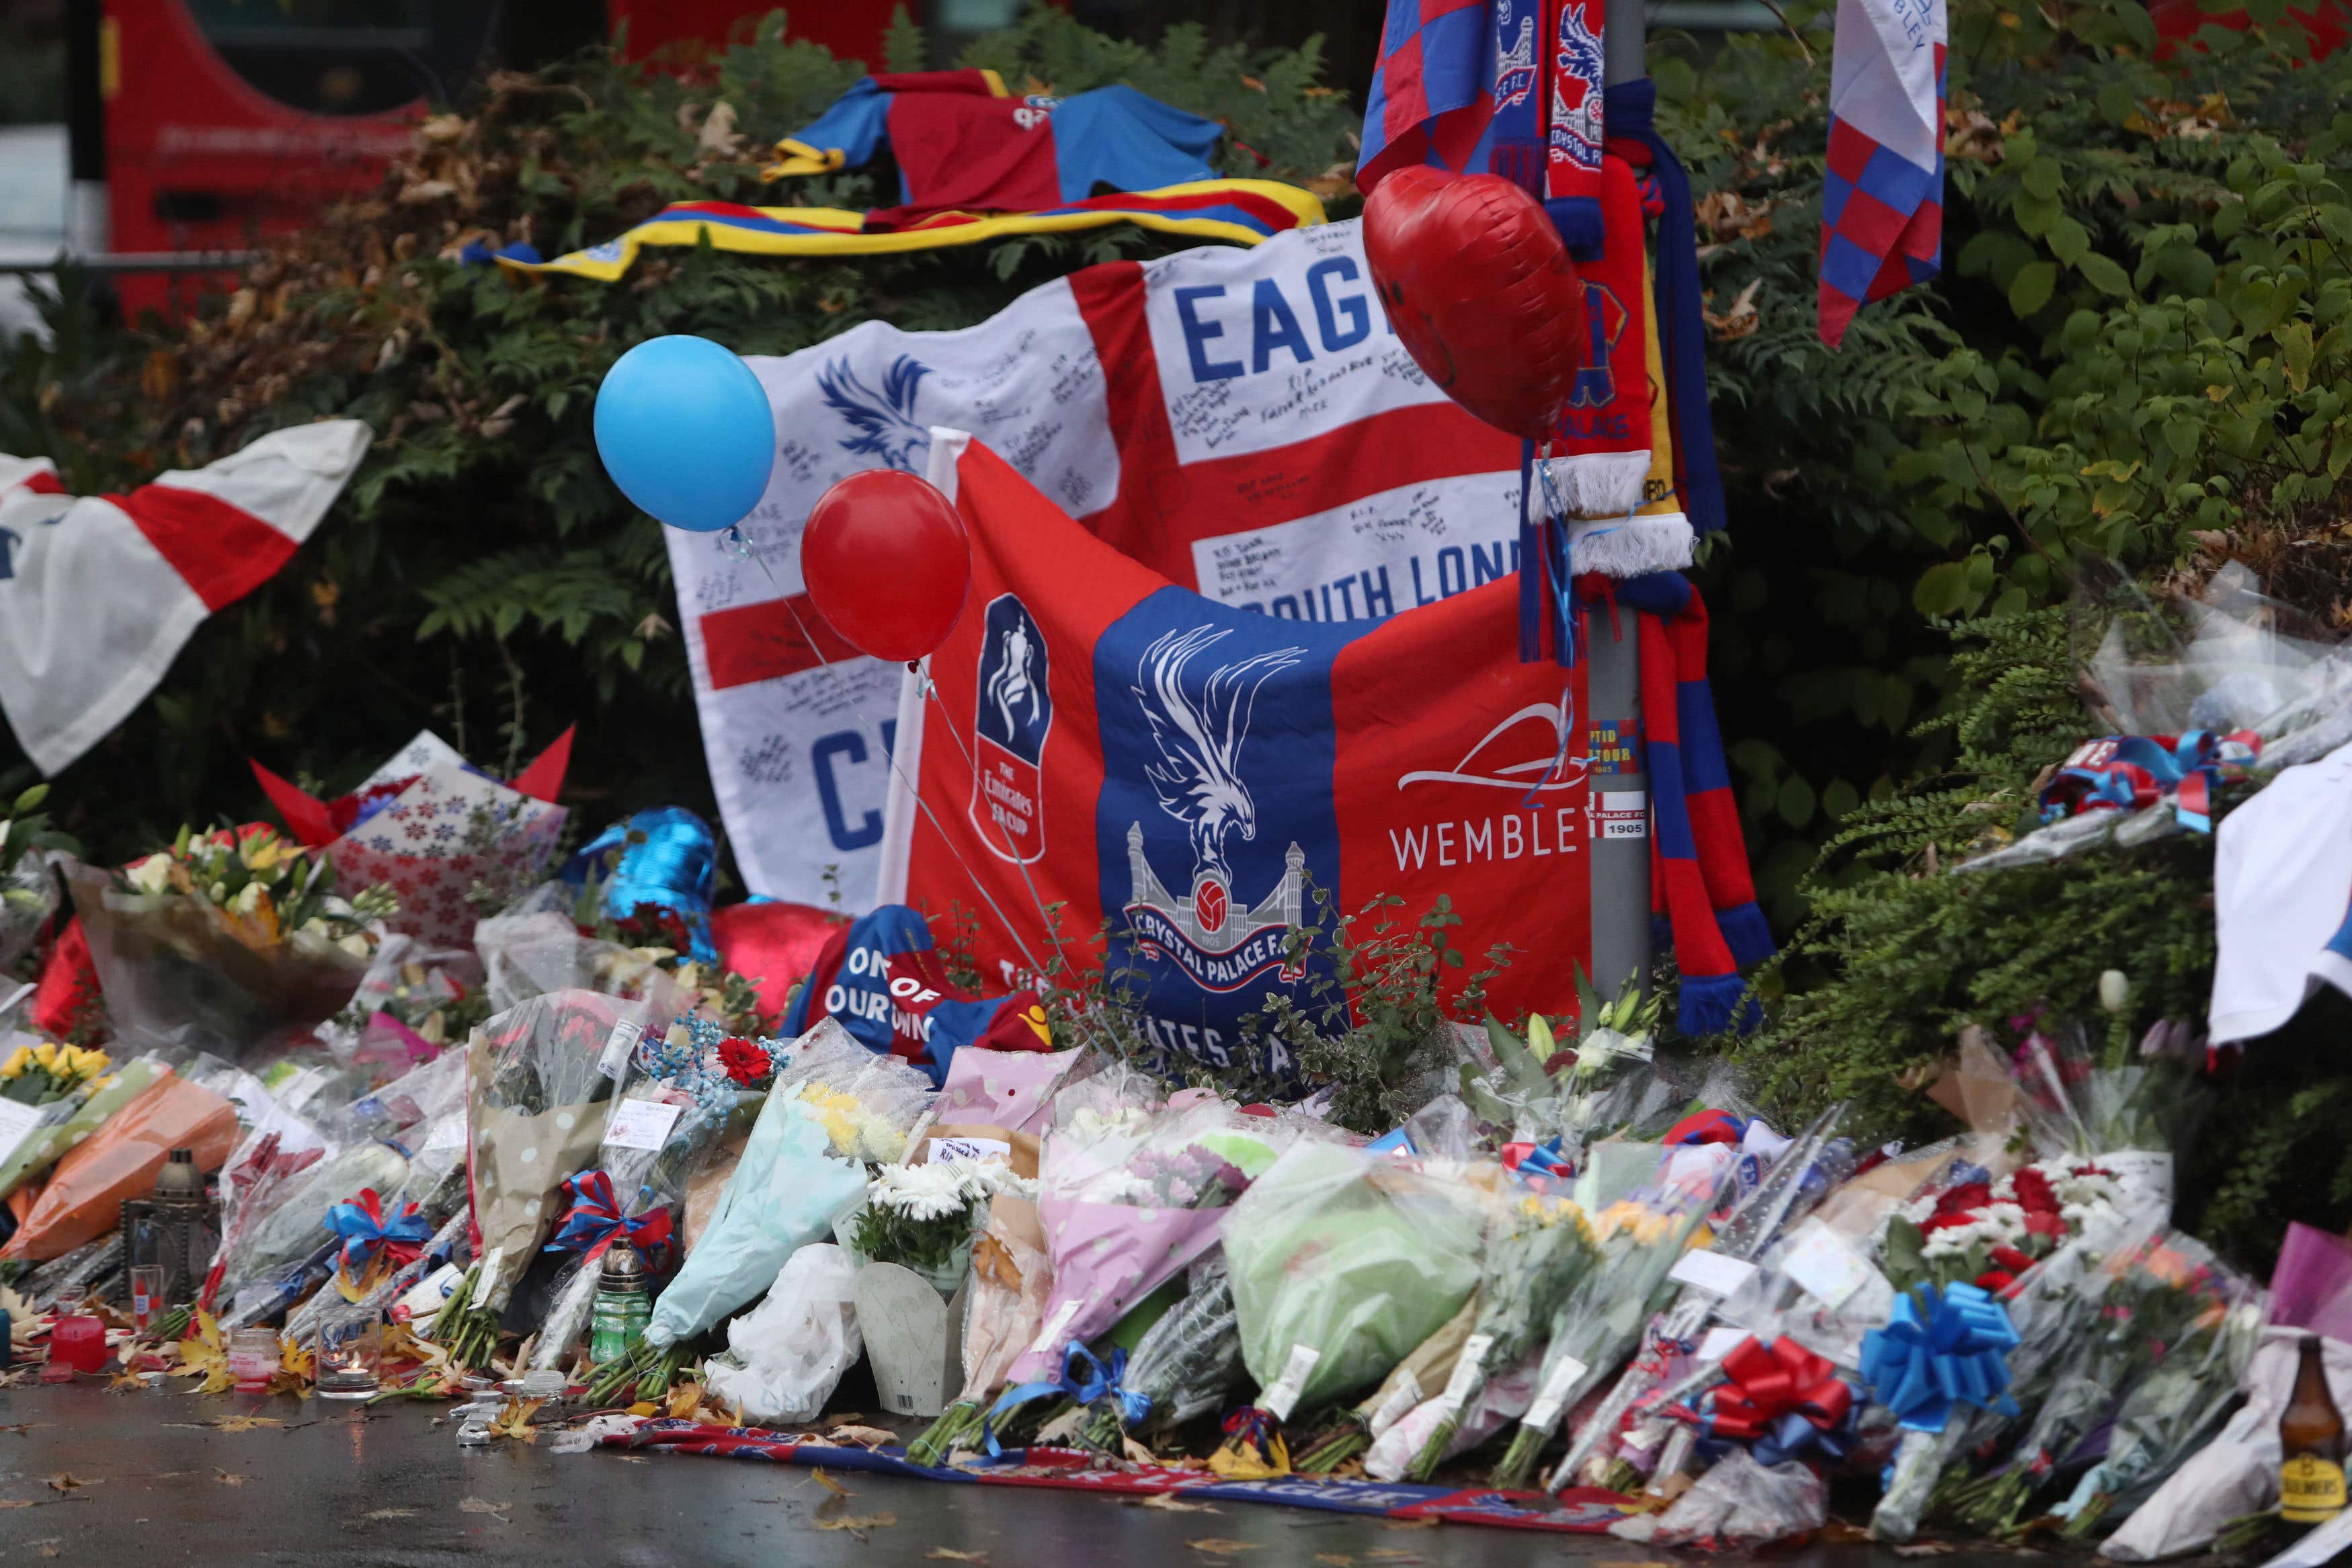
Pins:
x,y
2282,884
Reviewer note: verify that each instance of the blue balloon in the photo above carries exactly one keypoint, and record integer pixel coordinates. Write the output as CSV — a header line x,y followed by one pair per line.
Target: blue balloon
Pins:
x,y
683,429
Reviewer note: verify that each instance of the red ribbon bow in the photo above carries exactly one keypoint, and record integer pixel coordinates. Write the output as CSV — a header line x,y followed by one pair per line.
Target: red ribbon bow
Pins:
x,y
1769,1382
595,1220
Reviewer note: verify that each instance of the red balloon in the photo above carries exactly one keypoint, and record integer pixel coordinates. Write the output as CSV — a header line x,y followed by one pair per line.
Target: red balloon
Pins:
x,y
887,563
1481,289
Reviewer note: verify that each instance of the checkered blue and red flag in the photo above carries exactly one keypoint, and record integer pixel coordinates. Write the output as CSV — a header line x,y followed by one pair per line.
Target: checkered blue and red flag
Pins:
x,y
1882,197
1494,86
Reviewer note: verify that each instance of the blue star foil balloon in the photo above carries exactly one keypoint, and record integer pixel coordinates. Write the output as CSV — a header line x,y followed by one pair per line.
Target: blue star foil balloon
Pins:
x,y
665,856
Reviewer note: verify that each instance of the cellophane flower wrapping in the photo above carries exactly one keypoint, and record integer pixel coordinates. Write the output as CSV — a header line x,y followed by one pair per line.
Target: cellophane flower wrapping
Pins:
x,y
1131,1189
1012,1277
1355,1256
2177,1407
415,1000
676,1080
535,946
184,974
1185,1365
833,1108
28,896
540,1078
1601,1320
2161,1298
1538,1247
83,1197
1501,1397
66,1123
1739,1505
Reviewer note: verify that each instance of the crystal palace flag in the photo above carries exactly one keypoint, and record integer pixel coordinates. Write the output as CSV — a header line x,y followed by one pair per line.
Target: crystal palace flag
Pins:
x,y
1510,88
99,595
1883,195
1203,778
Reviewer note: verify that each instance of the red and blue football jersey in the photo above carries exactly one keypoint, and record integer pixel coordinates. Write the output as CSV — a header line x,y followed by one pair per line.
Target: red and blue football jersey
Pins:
x,y
964,143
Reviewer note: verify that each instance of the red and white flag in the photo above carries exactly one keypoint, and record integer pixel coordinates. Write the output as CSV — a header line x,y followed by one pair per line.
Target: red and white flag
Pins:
x,y
98,594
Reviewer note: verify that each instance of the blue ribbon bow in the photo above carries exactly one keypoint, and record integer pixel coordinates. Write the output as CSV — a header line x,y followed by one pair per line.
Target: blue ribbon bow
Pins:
x,y
1939,1350
365,1231
1092,1381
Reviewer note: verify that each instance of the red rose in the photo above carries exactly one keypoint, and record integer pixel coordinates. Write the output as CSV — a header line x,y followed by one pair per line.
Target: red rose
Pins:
x,y
1996,1280
2044,1222
1972,1195
2010,1258
1936,1222
2033,1193
745,1062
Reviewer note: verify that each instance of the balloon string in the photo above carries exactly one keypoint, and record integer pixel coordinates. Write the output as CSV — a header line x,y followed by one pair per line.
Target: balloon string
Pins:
x,y
1557,506
743,548
931,692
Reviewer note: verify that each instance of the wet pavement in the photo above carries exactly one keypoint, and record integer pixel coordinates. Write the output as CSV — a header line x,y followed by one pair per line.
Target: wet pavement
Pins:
x,y
146,1479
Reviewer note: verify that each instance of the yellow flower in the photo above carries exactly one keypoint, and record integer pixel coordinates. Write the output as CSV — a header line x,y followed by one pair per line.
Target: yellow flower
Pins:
x,y
19,1061
262,851
45,1053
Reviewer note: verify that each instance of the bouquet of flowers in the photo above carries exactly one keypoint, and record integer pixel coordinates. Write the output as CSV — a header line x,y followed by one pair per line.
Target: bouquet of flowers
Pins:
x,y
1131,1189
2160,1298
1402,1390
1011,1279
45,1073
1563,1098
29,896
1599,1323
557,937
2102,1181
224,939
677,1100
67,1121
833,1109
1537,1249
1342,1262
541,1082
2170,1414
83,1196
280,1229
413,1000
1180,1368
927,1217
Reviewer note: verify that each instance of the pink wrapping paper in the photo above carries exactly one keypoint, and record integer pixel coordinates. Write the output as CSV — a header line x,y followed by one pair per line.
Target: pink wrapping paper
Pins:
x,y
1004,1088
2312,1286
1108,1256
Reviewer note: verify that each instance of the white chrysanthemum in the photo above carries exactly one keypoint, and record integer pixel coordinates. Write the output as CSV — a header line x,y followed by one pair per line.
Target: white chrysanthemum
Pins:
x,y
921,1192
151,875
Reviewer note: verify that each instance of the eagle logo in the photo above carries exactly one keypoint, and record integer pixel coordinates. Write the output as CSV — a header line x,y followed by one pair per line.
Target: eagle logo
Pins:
x,y
1576,128
884,423
1198,780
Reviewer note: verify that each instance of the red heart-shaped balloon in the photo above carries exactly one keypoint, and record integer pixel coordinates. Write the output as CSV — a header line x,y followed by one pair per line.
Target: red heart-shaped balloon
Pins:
x,y
1482,292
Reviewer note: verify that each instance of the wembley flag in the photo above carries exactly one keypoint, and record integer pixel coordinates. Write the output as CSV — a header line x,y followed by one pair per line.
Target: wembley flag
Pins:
x,y
1883,195
1239,422
99,595
1096,737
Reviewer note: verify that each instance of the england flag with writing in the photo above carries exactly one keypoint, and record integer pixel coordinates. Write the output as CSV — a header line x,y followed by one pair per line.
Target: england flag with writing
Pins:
x,y
98,594
1882,194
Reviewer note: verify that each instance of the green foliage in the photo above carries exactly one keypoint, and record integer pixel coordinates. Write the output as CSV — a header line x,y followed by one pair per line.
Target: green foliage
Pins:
x,y
480,563
2134,350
